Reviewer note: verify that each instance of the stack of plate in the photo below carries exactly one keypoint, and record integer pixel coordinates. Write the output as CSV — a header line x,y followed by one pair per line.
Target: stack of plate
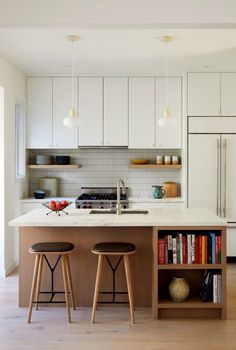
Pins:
x,y
43,160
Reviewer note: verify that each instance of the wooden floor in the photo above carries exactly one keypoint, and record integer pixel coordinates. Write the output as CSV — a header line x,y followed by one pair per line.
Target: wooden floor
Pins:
x,y
112,330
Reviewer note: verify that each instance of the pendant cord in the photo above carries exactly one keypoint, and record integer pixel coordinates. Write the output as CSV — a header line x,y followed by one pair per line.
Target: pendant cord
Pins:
x,y
166,79
72,73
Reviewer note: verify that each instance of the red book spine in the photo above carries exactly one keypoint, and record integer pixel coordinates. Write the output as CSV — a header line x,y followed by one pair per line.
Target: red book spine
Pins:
x,y
200,249
185,253
206,249
219,253
196,250
217,249
166,250
161,251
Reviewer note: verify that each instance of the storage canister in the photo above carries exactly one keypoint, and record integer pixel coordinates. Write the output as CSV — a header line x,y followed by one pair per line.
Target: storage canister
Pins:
x,y
170,189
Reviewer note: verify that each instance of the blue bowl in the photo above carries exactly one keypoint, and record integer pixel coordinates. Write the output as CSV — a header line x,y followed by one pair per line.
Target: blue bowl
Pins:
x,y
39,194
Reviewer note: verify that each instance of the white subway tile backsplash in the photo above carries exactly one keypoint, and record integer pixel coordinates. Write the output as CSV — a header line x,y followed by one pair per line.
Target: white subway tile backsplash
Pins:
x,y
102,167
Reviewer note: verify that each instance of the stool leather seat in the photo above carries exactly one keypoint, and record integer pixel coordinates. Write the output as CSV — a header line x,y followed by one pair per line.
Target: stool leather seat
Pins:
x,y
114,247
57,247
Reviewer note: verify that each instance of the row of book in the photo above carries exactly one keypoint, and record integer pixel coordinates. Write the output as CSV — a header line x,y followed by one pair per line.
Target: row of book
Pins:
x,y
211,288
190,249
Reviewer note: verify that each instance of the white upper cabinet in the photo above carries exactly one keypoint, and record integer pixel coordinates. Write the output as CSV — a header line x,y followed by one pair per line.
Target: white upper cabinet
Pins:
x,y
204,94
116,111
39,113
63,137
228,100
169,137
90,107
142,113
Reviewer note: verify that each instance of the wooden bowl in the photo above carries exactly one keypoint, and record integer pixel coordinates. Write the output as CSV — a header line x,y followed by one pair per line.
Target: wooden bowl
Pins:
x,y
139,161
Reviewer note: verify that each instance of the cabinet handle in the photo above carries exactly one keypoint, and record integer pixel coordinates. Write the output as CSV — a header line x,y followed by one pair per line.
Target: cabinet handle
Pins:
x,y
225,176
217,177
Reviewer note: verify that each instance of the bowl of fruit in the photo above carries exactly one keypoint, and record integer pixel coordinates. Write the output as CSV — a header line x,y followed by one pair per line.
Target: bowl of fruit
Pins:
x,y
57,206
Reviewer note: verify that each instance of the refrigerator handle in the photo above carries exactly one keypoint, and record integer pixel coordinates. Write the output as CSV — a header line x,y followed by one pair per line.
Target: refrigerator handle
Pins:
x,y
217,177
225,176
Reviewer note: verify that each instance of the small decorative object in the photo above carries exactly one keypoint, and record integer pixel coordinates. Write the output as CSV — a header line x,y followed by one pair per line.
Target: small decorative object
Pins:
x,y
167,159
158,191
159,159
178,289
57,206
175,160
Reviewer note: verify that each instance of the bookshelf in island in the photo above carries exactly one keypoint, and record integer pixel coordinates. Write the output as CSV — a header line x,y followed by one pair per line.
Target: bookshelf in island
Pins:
x,y
196,255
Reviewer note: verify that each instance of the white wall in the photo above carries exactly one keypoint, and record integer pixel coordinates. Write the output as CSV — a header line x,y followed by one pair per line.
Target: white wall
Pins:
x,y
14,84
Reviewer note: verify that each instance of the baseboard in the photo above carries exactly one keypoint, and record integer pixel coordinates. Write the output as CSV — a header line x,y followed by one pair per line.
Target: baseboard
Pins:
x,y
11,267
231,259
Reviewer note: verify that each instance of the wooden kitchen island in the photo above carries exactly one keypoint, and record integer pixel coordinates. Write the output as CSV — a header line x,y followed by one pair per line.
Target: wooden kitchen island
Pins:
x,y
150,280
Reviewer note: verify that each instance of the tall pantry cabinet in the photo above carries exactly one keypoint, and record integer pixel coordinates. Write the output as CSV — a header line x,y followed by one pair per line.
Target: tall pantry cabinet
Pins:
x,y
212,147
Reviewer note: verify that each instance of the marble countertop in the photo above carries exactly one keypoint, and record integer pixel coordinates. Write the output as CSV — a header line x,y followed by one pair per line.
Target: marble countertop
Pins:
x,y
155,217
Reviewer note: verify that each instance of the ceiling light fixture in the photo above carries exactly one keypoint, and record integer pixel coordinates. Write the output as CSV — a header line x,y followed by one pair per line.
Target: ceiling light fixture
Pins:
x,y
167,119
72,120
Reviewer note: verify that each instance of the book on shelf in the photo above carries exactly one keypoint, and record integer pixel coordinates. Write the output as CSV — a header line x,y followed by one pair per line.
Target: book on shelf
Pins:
x,y
211,287
188,248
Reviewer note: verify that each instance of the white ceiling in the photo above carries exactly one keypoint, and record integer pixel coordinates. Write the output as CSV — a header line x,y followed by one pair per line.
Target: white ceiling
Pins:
x,y
118,51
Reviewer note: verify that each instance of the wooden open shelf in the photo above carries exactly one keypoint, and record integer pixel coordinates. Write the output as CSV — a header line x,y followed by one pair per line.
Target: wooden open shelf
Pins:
x,y
193,302
189,267
155,166
54,166
193,307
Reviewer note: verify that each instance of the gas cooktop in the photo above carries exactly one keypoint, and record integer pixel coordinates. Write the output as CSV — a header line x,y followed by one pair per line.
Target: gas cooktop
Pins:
x,y
100,197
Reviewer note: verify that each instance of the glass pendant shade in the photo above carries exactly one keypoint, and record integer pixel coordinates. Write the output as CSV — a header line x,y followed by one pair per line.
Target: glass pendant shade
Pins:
x,y
72,121
167,120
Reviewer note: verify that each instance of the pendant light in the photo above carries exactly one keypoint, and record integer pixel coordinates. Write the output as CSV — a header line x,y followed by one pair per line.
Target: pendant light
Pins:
x,y
167,120
72,120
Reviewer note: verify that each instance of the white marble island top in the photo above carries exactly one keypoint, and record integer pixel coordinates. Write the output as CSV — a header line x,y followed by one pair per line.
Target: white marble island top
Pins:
x,y
155,217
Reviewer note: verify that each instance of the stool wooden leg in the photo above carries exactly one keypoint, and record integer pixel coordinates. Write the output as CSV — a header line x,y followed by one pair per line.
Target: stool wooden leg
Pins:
x,y
33,288
70,281
129,285
39,279
97,284
65,279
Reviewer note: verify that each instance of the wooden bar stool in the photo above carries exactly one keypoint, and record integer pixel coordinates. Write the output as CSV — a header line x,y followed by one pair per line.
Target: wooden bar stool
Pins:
x,y
123,250
41,251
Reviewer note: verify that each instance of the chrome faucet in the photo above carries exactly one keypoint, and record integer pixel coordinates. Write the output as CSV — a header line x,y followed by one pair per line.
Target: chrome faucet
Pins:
x,y
118,205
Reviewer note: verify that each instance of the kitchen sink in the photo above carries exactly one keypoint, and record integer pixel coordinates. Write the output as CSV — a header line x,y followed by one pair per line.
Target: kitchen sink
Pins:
x,y
104,211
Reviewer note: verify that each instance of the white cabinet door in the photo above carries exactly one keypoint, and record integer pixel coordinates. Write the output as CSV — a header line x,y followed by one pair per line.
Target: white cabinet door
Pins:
x,y
204,94
169,137
141,112
228,100
203,172
90,106
116,111
228,175
63,137
39,113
